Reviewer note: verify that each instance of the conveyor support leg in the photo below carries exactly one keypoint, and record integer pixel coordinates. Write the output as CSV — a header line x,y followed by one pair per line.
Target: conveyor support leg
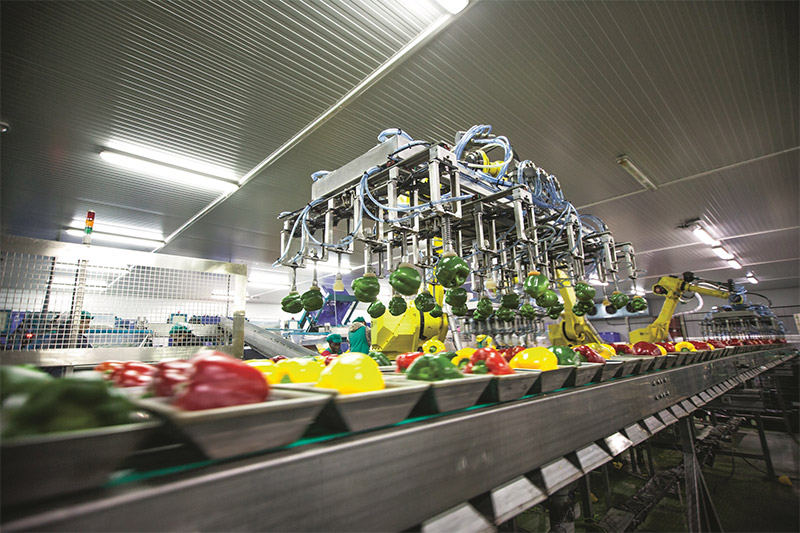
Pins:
x,y
700,512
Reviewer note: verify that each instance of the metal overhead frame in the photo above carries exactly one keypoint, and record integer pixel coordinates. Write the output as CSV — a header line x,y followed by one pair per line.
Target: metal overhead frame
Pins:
x,y
481,465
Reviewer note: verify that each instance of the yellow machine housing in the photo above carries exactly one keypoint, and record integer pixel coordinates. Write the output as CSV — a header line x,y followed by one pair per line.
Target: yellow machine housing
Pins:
x,y
394,335
572,330
672,288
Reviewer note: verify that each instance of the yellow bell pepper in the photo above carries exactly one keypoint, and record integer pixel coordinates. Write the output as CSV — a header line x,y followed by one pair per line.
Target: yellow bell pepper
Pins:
x,y
270,370
433,346
351,373
685,347
485,341
538,358
661,349
604,350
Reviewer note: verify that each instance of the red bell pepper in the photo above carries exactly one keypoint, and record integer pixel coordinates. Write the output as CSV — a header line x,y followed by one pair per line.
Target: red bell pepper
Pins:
x,y
734,342
701,345
108,366
490,359
715,343
169,375
124,375
668,346
277,358
509,353
330,358
404,360
622,349
218,380
589,354
646,348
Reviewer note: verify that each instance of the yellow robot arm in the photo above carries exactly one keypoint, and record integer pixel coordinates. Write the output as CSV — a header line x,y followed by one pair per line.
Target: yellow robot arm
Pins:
x,y
572,330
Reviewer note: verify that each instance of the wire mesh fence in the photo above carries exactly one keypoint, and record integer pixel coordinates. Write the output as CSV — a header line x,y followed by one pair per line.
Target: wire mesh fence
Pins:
x,y
71,296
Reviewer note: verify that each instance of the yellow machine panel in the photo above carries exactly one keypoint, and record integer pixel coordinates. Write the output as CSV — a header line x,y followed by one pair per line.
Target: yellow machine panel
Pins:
x,y
394,335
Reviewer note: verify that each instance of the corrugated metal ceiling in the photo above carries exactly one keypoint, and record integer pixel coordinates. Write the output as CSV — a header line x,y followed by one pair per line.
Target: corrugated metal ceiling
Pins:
x,y
683,88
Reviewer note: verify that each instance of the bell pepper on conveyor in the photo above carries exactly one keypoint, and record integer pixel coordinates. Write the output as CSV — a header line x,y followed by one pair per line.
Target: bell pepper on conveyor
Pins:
x,y
488,361
456,297
312,299
292,303
424,301
646,348
19,379
132,374
505,314
352,373
451,271
405,279
433,367
404,360
535,284
668,346
510,300
461,359
536,358
436,312
69,404
547,299
589,354
366,288
566,356
379,358
169,375
584,292
376,309
527,311
511,351
397,306
623,349
715,343
218,380
433,346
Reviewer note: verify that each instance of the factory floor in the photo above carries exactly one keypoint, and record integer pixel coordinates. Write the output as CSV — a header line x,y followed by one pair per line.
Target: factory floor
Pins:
x,y
745,499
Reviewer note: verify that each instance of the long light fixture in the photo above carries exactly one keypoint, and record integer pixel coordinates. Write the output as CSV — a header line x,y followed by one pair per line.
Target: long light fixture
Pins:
x,y
733,263
751,278
124,231
722,253
169,167
703,235
644,180
453,6
121,239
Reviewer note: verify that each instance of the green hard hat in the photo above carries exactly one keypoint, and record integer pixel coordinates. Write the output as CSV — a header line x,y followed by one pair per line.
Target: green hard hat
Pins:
x,y
179,328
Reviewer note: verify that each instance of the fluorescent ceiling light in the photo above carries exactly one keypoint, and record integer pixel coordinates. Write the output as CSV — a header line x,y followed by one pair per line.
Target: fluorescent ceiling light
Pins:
x,y
733,263
752,278
594,280
453,6
639,292
121,239
626,163
172,174
173,159
268,278
125,231
704,236
722,253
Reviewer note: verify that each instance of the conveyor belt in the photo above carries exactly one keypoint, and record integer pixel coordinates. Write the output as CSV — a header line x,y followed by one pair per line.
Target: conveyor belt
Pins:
x,y
269,343
502,458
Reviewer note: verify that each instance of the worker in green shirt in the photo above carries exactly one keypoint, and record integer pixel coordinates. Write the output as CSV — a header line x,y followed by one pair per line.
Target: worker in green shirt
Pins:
x,y
359,336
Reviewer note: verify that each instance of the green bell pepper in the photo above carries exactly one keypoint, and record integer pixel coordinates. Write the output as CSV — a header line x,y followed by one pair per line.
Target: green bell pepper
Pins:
x,y
68,404
485,308
425,301
586,306
312,299
638,303
618,300
380,358
577,310
376,309
477,315
292,303
366,288
535,284
479,367
556,308
433,367
436,312
456,297
405,280
527,311
21,380
459,310
547,299
584,292
451,271
566,356
552,315
505,314
510,300
397,306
